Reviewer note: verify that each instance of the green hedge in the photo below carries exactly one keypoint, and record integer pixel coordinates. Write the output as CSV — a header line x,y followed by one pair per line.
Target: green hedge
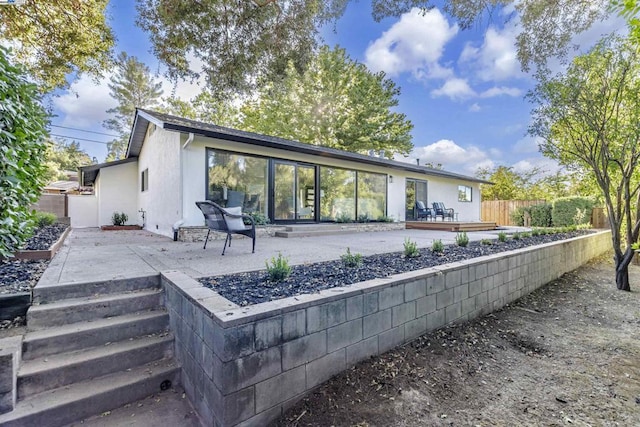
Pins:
x,y
517,216
571,211
540,215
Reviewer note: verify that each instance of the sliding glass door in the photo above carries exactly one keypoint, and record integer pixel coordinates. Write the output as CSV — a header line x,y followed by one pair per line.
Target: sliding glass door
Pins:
x,y
416,191
294,192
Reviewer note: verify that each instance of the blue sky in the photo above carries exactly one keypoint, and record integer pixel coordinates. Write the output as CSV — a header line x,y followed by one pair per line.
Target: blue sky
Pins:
x,y
462,90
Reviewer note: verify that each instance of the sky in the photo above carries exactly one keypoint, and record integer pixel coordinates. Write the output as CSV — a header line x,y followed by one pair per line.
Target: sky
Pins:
x,y
463,91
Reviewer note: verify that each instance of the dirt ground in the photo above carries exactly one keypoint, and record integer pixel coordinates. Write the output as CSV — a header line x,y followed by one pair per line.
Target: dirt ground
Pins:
x,y
568,354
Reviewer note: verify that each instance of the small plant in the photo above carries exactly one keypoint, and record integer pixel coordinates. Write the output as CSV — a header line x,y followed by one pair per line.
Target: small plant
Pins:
x,y
363,218
344,217
635,246
525,235
410,248
259,218
535,232
462,239
516,236
120,218
43,219
385,218
279,269
487,242
502,236
437,246
351,260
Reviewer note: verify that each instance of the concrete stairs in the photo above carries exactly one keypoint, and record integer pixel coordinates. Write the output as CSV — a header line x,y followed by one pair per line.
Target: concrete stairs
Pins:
x,y
312,230
91,348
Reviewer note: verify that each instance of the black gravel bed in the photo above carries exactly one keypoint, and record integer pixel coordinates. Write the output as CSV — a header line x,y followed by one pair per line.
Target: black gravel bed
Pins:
x,y
254,287
44,237
20,276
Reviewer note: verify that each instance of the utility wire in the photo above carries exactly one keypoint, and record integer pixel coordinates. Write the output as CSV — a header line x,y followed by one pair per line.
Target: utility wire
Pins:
x,y
82,130
79,139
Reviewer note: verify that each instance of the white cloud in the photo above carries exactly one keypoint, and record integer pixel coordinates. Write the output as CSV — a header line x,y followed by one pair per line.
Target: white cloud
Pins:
x,y
413,44
496,59
545,166
475,107
452,156
499,91
455,89
526,145
85,103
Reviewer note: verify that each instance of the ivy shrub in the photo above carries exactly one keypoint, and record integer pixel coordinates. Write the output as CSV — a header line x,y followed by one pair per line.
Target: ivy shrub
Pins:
x,y
23,122
571,211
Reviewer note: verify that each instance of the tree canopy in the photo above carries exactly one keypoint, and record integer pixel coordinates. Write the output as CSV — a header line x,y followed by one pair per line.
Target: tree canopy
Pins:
x,y
56,38
588,119
23,123
62,157
133,87
335,103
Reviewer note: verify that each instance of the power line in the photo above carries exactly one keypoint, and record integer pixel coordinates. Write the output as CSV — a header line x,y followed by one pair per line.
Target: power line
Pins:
x,y
79,139
82,130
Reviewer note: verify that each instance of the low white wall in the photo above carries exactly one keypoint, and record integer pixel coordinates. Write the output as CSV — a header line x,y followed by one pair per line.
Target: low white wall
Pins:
x,y
117,191
83,211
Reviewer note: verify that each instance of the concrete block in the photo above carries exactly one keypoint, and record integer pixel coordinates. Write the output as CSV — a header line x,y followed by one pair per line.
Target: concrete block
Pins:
x,y
415,328
246,371
482,299
391,296
362,350
206,361
425,305
326,315
369,303
238,406
324,368
444,298
280,388
188,312
263,418
230,343
464,275
294,325
268,333
303,350
401,314
198,323
376,323
414,290
435,283
452,312
343,335
452,279
461,292
475,287
390,339
435,320
355,307
481,271
493,294
468,305
492,268
7,402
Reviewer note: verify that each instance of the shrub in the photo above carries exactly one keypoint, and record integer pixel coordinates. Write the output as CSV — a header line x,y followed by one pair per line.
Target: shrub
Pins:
x,y
541,215
411,249
258,217
462,239
567,210
279,269
385,218
437,246
487,242
43,219
516,236
517,216
344,217
535,232
525,235
363,218
119,218
502,236
351,260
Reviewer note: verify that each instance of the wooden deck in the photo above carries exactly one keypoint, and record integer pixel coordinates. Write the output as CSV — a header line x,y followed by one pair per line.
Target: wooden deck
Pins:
x,y
451,225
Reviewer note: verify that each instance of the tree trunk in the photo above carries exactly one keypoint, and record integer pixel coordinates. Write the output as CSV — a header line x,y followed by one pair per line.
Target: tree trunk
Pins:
x,y
622,273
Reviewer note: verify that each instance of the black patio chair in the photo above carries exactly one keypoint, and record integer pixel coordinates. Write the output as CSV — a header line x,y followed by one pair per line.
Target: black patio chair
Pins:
x,y
229,220
422,211
440,210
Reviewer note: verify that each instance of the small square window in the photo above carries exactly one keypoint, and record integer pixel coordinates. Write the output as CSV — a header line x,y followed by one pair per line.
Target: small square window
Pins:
x,y
144,180
464,193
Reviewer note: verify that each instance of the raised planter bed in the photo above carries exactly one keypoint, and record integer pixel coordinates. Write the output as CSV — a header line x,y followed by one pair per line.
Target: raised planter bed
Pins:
x,y
43,254
120,227
14,305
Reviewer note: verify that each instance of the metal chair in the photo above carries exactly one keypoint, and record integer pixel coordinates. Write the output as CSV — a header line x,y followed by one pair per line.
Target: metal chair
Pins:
x,y
226,220
422,211
440,210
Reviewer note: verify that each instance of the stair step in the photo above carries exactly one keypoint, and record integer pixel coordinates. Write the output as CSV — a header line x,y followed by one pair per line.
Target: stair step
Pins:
x,y
47,373
91,308
77,336
61,406
47,293
312,233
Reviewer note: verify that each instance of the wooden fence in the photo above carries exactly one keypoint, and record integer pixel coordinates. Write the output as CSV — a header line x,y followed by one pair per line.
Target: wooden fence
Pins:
x,y
499,211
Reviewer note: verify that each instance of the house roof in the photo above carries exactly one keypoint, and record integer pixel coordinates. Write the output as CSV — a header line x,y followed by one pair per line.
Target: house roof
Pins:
x,y
165,121
88,174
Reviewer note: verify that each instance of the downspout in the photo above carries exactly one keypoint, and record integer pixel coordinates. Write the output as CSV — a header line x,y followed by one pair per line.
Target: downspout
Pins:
x,y
178,223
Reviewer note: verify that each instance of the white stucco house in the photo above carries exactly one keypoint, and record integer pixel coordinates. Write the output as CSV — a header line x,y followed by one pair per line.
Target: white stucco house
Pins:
x,y
172,162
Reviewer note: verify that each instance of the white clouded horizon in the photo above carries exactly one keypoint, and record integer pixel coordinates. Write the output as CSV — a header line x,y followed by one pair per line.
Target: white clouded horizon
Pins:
x,y
453,157
496,58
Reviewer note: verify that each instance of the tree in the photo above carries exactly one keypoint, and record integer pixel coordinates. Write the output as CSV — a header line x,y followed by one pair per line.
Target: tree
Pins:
x,y
588,119
63,157
205,107
335,103
57,38
133,87
23,123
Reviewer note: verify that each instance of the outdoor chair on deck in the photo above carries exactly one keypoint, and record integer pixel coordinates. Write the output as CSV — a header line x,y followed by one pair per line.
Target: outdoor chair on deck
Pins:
x,y
227,220
422,211
440,210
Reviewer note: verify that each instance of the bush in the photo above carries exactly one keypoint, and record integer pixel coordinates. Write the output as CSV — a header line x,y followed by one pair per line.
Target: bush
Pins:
x,y
385,218
119,218
567,210
525,235
437,246
351,260
487,242
535,232
363,218
517,216
502,236
344,217
516,236
540,215
43,219
411,249
279,269
259,218
462,239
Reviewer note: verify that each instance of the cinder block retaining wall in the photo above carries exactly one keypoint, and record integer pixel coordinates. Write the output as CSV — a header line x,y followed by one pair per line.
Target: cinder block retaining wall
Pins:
x,y
245,366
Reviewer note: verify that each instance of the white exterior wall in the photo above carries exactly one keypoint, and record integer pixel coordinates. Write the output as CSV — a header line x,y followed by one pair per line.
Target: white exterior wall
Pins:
x,y
116,189
83,210
160,154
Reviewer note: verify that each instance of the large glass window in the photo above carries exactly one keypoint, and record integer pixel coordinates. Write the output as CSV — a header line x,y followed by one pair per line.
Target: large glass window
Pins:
x,y
237,180
464,193
337,194
372,195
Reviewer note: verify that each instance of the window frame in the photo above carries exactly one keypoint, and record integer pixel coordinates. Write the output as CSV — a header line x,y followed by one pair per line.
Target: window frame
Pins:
x,y
467,190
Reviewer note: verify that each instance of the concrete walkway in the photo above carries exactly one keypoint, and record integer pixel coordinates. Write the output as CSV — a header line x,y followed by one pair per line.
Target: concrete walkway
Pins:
x,y
91,254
